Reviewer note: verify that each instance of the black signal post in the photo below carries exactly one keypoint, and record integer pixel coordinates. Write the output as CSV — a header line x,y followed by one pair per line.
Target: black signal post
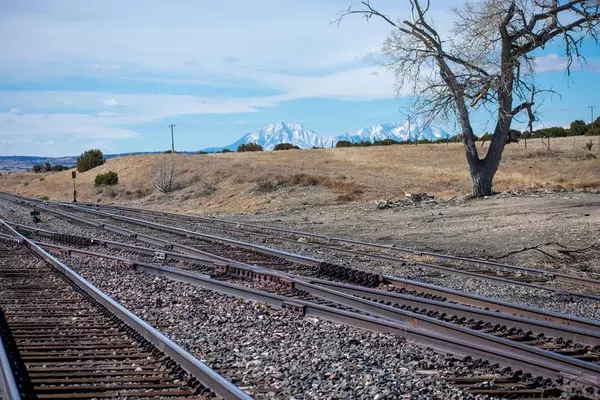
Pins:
x,y
74,175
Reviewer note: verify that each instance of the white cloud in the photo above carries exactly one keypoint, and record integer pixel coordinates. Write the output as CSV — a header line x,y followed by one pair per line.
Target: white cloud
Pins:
x,y
106,114
106,67
111,102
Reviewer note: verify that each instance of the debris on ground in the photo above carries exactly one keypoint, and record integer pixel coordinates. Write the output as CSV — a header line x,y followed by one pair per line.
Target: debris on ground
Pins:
x,y
411,199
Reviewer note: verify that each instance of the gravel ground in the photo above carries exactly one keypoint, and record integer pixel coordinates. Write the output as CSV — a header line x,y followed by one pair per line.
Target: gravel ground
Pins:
x,y
287,357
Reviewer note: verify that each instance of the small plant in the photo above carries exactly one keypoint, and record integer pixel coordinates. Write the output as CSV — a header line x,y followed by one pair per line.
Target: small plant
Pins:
x,y
226,151
25,183
44,198
589,145
36,168
107,179
266,184
163,175
249,147
208,189
42,179
286,146
90,159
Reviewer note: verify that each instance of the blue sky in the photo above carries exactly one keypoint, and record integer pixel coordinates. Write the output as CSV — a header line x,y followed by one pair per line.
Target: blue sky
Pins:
x,y
112,74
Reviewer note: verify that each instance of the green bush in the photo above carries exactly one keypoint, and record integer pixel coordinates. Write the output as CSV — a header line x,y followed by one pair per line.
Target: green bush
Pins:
x,y
59,168
286,146
226,151
249,147
343,143
107,179
44,198
386,142
36,168
90,159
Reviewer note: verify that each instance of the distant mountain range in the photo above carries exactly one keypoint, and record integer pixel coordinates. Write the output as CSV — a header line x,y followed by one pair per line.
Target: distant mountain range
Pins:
x,y
305,138
268,137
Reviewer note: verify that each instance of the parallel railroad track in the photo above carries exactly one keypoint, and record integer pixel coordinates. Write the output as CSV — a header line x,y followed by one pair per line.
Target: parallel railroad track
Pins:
x,y
64,339
260,255
402,285
337,293
582,344
292,301
446,263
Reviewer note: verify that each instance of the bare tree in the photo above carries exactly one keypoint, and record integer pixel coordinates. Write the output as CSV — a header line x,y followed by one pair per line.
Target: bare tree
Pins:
x,y
487,62
163,175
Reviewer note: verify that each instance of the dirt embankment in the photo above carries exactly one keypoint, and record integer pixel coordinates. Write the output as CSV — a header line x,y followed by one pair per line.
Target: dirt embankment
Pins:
x,y
283,180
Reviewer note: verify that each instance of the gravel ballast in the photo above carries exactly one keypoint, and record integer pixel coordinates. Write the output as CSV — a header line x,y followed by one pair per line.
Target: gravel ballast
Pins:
x,y
275,353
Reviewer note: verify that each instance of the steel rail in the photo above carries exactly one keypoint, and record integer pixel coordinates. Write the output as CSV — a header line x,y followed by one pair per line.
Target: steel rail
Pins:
x,y
422,329
409,285
191,234
492,264
311,261
315,287
9,390
208,377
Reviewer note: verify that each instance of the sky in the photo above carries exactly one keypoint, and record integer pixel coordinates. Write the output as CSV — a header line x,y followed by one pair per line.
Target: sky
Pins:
x,y
81,74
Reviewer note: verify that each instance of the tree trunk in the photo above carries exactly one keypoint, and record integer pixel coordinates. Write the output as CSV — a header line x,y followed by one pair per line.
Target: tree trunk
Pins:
x,y
481,178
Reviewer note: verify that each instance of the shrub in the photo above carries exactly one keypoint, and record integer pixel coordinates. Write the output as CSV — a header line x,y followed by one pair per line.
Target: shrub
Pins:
x,y
286,146
249,147
44,198
201,152
36,168
107,179
42,179
343,143
208,189
90,159
163,175
589,145
226,151
59,168
386,142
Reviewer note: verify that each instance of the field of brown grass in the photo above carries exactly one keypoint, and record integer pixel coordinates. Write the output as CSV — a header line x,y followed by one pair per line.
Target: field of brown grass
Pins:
x,y
279,180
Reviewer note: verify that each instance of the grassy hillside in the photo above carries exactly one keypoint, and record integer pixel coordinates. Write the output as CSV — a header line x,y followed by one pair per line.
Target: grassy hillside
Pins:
x,y
242,182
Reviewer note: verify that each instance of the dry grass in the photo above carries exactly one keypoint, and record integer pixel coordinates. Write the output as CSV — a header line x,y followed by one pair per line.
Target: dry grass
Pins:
x,y
318,177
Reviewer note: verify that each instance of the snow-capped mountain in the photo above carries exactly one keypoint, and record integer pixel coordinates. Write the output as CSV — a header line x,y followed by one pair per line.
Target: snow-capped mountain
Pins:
x,y
271,135
396,131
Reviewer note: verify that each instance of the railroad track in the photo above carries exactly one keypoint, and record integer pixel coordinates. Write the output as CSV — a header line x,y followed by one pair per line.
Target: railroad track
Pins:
x,y
251,271
252,253
446,263
567,340
62,338
402,285
508,385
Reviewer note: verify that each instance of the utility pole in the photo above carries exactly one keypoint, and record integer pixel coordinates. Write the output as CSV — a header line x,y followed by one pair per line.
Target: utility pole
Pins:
x,y
592,124
172,139
408,120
